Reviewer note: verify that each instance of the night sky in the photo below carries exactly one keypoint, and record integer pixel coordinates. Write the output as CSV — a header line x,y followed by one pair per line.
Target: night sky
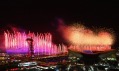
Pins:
x,y
42,17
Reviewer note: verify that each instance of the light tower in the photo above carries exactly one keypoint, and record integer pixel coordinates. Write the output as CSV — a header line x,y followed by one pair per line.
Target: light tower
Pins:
x,y
30,43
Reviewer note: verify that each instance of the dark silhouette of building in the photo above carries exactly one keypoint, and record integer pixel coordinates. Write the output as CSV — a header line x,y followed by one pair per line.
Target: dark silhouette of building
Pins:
x,y
30,42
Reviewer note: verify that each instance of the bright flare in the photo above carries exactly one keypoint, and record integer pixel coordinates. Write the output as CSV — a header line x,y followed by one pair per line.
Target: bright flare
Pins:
x,y
82,36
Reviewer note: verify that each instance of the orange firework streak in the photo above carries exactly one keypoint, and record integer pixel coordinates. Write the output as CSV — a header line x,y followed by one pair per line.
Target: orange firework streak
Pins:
x,y
85,39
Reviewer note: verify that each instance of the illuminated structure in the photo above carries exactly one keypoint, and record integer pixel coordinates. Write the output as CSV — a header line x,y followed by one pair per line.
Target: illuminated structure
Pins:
x,y
30,42
94,48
